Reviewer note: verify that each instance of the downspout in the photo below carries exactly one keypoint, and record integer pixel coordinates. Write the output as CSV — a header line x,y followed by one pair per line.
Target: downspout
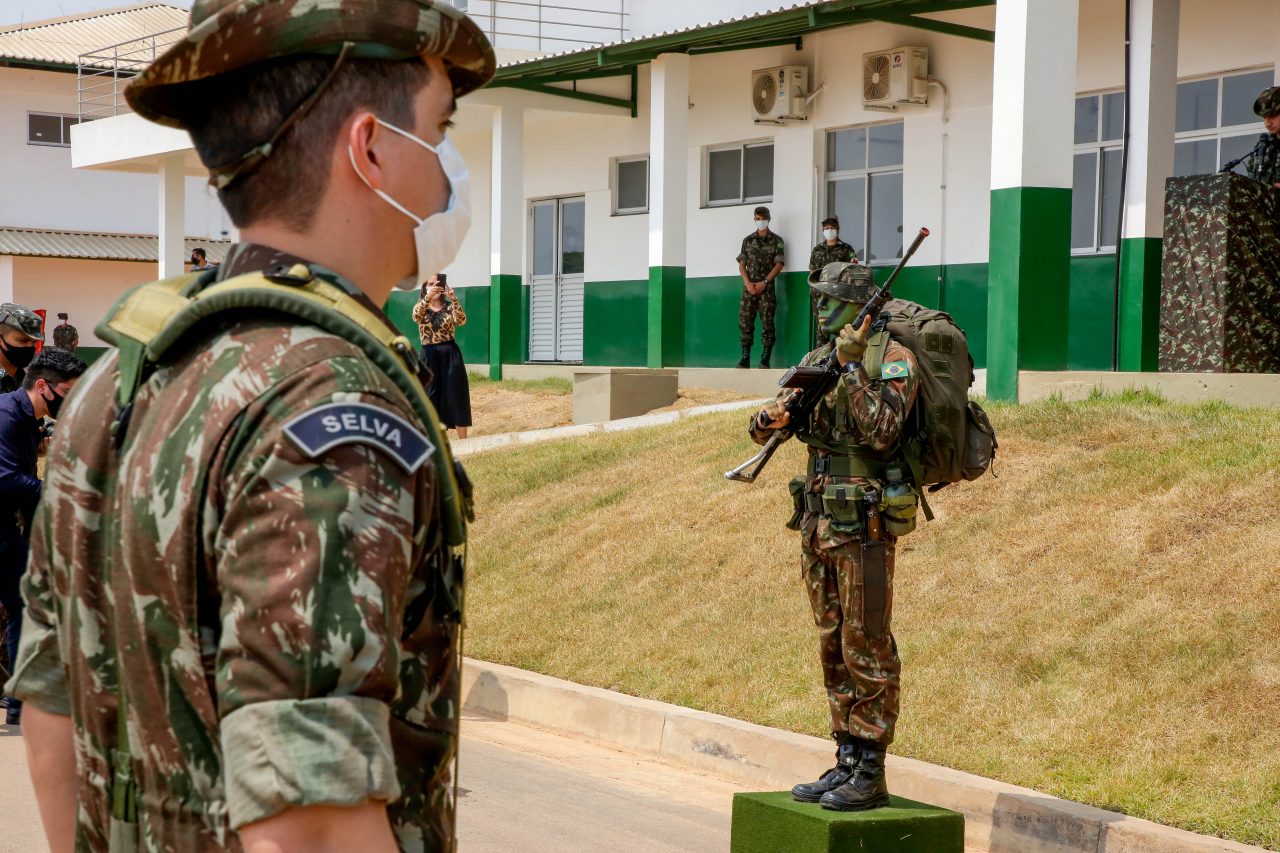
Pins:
x,y
1124,182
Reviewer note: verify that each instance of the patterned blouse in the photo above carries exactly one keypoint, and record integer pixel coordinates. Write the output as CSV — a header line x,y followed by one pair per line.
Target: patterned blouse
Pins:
x,y
438,327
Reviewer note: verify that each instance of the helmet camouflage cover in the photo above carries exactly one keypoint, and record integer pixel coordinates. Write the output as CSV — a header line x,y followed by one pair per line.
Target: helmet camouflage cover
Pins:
x,y
843,281
1268,103
226,35
23,319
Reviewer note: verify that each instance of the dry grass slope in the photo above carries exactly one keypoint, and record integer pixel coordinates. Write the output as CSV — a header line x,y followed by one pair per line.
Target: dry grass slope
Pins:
x,y
1100,622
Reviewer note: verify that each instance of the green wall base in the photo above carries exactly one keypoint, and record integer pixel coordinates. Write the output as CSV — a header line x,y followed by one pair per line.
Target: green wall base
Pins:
x,y
508,327
1028,296
1140,303
665,338
773,823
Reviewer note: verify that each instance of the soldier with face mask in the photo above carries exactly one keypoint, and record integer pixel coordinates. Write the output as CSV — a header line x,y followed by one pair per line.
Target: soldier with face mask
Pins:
x,y
831,250
20,330
853,439
759,264
244,594
1264,163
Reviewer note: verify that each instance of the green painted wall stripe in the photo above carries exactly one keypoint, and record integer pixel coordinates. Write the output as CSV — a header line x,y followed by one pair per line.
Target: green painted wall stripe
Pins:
x,y
508,328
1028,297
1140,259
665,317
1091,315
611,332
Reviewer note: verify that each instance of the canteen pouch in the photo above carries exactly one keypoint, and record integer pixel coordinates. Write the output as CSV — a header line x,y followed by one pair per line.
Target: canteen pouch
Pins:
x,y
797,488
842,503
980,442
899,513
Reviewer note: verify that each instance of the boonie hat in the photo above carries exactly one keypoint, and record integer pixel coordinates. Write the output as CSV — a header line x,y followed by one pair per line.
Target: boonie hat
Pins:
x,y
1268,103
844,281
227,35
23,319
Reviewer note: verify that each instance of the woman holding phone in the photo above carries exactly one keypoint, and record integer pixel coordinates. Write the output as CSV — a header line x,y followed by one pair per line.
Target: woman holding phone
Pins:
x,y
438,314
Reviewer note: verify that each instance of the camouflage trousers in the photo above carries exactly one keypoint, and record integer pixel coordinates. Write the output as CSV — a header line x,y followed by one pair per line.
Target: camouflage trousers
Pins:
x,y
861,674
766,305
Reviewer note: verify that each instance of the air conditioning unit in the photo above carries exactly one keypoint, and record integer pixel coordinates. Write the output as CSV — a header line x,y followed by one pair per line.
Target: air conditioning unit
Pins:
x,y
780,94
891,78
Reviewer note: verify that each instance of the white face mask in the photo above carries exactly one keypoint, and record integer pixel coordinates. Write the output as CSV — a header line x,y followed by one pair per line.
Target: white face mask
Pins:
x,y
438,237
762,224
829,234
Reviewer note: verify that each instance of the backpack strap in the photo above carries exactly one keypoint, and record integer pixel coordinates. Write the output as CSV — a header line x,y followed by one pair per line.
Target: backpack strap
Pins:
x,y
873,358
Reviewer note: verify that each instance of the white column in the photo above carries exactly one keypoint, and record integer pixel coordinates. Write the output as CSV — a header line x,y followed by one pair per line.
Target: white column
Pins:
x,y
668,203
507,218
172,218
6,278
1153,101
668,161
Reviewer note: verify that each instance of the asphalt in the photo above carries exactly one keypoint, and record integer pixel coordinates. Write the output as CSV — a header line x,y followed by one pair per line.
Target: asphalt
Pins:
x,y
521,789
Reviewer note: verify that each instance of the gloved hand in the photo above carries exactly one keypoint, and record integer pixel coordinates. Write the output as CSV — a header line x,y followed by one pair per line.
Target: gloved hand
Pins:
x,y
774,415
851,343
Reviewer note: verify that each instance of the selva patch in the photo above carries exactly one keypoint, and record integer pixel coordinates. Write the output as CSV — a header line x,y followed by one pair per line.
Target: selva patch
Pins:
x,y
324,427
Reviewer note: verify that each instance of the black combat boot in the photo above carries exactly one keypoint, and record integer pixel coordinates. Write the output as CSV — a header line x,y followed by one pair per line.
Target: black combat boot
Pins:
x,y
866,788
765,352
846,763
746,356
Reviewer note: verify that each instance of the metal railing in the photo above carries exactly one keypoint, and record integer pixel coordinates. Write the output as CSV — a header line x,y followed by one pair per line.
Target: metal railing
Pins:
x,y
548,27
101,75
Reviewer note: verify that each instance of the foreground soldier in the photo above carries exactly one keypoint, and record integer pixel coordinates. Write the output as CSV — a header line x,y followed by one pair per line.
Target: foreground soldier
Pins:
x,y
242,604
853,438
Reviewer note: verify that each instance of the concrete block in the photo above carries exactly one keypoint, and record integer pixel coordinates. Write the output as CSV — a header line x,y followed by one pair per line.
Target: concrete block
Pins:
x,y
773,822
609,393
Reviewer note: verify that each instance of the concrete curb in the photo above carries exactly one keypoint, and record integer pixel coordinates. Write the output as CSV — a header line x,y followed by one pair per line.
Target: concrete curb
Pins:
x,y
482,443
999,818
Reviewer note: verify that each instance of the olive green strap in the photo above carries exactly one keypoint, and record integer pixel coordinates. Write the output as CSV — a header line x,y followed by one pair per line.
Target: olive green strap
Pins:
x,y
873,358
846,466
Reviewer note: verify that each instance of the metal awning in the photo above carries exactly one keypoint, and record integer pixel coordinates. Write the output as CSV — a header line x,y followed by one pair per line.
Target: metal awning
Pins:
x,y
56,43
84,245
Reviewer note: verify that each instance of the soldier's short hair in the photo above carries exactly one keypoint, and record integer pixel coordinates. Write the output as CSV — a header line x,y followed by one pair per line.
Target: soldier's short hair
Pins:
x,y
231,113
833,221
54,366
762,211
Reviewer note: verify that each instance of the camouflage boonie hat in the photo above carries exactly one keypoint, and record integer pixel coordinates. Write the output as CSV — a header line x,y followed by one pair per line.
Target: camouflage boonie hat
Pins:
x,y
846,282
226,35
1268,103
23,319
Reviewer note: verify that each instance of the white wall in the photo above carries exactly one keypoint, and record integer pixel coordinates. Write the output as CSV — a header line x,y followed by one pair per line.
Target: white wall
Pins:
x,y
39,189
83,289
658,16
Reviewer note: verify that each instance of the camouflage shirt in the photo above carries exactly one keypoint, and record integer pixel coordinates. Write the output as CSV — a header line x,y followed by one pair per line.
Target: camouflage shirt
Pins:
x,y
9,382
1264,165
275,609
861,411
823,254
760,252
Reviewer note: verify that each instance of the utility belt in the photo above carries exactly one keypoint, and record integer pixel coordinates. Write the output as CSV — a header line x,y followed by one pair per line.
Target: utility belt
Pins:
x,y
846,505
821,465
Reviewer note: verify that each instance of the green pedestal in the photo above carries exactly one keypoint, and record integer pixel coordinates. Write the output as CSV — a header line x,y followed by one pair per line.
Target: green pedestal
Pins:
x,y
774,823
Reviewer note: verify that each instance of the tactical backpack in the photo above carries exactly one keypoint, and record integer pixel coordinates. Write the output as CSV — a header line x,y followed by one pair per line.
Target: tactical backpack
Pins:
x,y
948,437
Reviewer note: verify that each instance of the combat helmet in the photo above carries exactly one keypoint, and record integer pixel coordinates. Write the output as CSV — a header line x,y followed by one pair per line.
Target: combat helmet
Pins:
x,y
1268,103
843,281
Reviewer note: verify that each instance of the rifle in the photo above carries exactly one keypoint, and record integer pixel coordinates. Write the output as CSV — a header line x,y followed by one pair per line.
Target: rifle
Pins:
x,y
810,384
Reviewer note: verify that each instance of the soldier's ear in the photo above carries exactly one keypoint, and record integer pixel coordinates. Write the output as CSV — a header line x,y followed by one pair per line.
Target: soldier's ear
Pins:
x,y
364,138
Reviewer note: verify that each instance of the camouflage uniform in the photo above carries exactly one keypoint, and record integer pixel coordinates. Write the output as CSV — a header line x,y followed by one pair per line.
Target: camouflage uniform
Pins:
x,y
819,257
28,322
1264,164
760,253
860,671
249,560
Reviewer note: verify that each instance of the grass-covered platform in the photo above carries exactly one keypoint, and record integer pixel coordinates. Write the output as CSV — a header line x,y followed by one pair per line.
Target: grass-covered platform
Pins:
x,y
772,822
1098,622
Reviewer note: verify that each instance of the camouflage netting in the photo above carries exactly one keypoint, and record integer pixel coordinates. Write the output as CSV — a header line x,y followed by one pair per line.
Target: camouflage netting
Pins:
x,y
1220,294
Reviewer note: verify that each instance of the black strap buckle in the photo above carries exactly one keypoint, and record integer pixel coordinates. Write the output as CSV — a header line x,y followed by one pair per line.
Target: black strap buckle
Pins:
x,y
821,465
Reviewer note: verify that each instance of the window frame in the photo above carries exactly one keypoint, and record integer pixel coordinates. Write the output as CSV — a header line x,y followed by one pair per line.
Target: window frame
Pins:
x,y
865,174
1099,147
1218,133
64,128
741,148
616,184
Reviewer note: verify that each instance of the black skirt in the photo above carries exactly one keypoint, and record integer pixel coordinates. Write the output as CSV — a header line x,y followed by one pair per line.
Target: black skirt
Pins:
x,y
448,390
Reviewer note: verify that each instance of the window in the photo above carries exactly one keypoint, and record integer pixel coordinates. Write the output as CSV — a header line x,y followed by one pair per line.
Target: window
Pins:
x,y
50,129
631,185
1215,121
1095,186
739,174
864,189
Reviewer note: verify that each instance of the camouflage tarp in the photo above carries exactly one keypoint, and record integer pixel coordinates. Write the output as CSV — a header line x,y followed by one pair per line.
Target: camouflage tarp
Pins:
x,y
1220,294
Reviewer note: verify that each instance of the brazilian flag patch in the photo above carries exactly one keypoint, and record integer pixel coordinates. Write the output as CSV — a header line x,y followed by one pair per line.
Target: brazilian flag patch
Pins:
x,y
895,370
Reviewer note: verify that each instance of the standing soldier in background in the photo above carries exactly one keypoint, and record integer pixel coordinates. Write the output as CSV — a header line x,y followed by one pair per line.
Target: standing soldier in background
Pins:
x,y
847,559
759,263
830,251
20,330
65,335
1264,163
244,594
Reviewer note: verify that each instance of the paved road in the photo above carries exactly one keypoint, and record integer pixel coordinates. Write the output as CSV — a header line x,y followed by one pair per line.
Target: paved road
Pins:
x,y
522,789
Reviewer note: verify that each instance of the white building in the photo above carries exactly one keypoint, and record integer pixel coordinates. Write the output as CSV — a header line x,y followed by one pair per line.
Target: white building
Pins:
x,y
74,240
613,183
